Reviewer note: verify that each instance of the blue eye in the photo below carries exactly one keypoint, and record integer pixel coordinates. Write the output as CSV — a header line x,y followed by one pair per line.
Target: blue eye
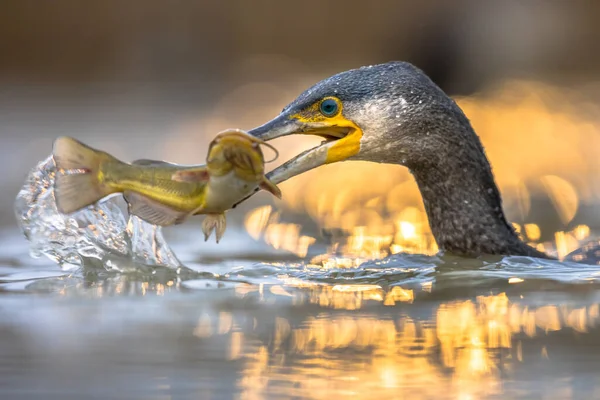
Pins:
x,y
329,107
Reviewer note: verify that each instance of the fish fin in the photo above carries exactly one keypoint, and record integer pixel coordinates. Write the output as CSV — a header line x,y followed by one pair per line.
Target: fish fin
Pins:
x,y
73,192
214,222
153,211
76,184
191,175
71,154
270,187
155,163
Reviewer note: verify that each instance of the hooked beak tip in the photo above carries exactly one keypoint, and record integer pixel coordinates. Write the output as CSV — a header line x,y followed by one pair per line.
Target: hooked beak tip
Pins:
x,y
277,127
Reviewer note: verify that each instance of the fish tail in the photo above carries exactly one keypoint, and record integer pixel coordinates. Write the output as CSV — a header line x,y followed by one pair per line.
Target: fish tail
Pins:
x,y
78,177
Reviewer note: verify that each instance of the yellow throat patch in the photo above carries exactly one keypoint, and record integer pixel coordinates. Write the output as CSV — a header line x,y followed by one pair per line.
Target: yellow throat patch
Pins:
x,y
343,148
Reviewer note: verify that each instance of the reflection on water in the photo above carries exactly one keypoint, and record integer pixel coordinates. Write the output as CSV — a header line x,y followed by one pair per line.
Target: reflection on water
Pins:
x,y
465,348
346,321
424,327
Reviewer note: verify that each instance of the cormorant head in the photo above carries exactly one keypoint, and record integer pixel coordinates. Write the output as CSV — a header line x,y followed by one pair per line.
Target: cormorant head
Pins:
x,y
393,113
382,113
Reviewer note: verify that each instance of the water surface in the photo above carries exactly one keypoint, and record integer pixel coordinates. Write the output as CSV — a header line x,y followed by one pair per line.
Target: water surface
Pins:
x,y
410,325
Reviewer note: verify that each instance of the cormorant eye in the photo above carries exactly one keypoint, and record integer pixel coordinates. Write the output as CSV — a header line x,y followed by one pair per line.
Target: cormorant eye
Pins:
x,y
329,107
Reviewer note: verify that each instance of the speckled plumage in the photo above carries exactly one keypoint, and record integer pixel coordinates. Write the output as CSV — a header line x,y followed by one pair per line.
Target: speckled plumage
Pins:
x,y
407,119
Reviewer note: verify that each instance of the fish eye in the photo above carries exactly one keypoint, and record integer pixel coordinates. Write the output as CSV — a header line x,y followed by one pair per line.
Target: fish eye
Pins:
x,y
329,107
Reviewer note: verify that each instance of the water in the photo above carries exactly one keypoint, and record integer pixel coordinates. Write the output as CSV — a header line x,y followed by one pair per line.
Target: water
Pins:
x,y
105,309
100,233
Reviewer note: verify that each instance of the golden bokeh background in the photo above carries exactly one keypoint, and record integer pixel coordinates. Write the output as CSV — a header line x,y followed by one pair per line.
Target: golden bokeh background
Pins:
x,y
141,80
155,79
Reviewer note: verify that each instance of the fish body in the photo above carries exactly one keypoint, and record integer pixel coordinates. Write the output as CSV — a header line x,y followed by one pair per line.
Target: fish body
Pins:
x,y
159,192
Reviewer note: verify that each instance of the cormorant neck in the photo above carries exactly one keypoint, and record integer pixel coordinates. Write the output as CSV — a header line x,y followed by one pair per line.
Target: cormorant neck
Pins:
x,y
464,213
461,199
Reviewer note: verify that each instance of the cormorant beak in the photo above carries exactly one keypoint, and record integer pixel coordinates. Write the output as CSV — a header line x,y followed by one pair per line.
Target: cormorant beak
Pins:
x,y
342,140
280,126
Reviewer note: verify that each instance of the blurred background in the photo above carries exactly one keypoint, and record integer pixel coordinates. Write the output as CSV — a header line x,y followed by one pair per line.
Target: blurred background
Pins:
x,y
156,79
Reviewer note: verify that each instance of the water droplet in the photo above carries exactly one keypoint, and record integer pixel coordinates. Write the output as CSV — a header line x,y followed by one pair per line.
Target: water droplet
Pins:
x,y
99,231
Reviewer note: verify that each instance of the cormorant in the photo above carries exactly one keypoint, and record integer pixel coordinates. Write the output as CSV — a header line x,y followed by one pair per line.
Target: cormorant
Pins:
x,y
393,113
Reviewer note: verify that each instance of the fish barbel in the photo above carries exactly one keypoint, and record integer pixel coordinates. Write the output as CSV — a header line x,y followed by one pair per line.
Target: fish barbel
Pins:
x,y
159,192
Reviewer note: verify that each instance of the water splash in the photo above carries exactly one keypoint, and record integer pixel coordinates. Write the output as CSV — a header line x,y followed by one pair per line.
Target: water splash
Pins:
x,y
99,234
103,236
